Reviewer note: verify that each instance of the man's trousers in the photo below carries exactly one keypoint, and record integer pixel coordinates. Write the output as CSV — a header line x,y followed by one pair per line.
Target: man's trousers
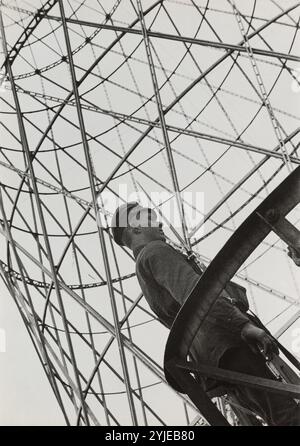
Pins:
x,y
274,409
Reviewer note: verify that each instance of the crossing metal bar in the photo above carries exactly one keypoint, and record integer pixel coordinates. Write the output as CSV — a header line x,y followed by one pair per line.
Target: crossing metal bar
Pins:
x,y
197,395
229,376
173,128
239,184
283,228
31,325
159,35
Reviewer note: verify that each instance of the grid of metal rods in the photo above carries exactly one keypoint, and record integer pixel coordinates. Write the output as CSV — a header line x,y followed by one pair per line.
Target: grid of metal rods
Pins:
x,y
98,94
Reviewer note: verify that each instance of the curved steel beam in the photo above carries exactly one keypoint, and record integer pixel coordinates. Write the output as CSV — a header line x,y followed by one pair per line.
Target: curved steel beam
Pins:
x,y
38,17
227,262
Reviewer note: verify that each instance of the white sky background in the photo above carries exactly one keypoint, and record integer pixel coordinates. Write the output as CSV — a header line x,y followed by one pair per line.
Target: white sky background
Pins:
x,y
25,392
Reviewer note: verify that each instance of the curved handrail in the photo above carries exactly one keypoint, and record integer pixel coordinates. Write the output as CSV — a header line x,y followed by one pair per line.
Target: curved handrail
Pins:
x,y
223,267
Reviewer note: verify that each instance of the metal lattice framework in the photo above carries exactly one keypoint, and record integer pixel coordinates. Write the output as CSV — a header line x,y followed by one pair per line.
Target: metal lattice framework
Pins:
x,y
100,100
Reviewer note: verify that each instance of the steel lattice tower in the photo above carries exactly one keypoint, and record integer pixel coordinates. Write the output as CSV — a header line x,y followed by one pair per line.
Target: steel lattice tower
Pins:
x,y
105,100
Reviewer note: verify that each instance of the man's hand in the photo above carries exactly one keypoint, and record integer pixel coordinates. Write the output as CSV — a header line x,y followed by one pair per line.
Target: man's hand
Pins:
x,y
258,339
292,253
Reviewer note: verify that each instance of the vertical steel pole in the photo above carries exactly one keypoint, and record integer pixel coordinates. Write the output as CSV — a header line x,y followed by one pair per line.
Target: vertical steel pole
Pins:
x,y
100,229
41,216
163,125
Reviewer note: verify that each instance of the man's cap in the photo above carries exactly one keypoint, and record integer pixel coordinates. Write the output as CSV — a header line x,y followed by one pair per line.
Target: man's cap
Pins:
x,y
120,220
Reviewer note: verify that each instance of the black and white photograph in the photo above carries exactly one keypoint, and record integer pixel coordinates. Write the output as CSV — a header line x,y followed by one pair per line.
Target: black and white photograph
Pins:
x,y
149,216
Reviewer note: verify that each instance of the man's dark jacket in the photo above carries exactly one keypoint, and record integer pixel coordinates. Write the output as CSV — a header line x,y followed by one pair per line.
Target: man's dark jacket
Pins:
x,y
167,279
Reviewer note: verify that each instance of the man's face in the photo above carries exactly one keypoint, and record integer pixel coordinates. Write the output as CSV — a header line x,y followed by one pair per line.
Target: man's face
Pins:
x,y
146,219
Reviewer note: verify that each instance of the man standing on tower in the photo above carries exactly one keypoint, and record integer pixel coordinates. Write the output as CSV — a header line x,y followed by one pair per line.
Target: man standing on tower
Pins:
x,y
228,338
